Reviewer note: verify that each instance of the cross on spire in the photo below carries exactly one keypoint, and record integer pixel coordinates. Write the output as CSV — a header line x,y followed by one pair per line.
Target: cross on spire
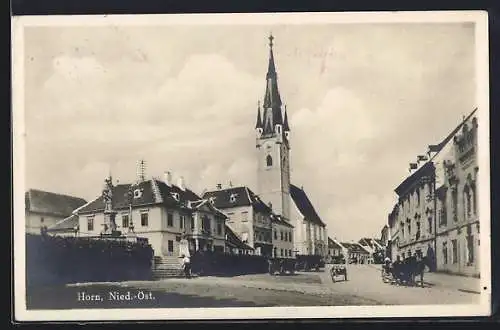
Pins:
x,y
271,38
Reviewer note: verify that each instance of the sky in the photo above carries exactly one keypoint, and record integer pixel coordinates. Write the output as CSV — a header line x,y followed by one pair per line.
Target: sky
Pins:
x,y
363,101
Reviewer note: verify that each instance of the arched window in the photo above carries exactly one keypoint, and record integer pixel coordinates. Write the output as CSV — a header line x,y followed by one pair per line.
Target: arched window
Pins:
x,y
269,160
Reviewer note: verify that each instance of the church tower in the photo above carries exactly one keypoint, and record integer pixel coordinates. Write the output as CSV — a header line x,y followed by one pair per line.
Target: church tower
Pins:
x,y
272,143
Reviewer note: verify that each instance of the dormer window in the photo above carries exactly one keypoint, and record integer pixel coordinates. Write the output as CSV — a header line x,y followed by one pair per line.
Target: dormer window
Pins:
x,y
137,193
212,200
232,198
175,196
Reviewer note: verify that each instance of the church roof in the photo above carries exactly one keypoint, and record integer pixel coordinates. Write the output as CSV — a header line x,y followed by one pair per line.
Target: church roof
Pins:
x,y
44,202
304,205
153,192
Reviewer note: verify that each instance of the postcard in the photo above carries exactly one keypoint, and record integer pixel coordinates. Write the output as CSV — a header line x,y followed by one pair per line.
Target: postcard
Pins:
x,y
251,166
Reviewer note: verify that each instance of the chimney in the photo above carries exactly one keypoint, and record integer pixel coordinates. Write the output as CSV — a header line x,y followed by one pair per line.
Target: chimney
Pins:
x,y
167,177
219,186
270,205
180,183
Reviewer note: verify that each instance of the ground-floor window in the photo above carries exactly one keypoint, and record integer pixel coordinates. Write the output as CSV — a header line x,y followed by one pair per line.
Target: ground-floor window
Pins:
x,y
445,253
470,249
454,251
170,246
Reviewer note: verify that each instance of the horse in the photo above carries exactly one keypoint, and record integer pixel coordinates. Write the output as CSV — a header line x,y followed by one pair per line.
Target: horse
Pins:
x,y
417,269
410,268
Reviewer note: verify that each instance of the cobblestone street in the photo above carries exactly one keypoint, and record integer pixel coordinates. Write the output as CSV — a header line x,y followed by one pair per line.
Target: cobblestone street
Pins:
x,y
364,287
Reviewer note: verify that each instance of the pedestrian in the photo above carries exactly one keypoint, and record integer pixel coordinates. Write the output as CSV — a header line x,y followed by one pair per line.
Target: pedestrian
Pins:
x,y
186,262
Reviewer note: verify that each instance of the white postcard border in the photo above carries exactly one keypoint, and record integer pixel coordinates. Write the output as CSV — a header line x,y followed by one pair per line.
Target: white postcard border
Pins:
x,y
482,74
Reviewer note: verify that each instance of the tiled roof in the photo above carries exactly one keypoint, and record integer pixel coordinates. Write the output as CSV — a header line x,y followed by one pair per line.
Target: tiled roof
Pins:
x,y
67,224
242,196
354,248
234,241
44,202
198,204
166,196
304,205
332,244
222,198
366,242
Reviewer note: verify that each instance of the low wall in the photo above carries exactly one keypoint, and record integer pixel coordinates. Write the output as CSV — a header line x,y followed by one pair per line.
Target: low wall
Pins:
x,y
60,260
223,264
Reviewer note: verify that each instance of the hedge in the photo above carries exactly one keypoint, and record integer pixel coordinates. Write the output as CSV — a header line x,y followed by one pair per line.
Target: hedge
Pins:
x,y
62,260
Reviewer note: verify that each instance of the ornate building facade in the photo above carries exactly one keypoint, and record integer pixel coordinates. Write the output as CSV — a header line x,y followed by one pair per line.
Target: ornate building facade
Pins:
x,y
458,215
436,213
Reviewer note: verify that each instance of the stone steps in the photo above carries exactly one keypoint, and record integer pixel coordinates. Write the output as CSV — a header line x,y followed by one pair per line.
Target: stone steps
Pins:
x,y
167,267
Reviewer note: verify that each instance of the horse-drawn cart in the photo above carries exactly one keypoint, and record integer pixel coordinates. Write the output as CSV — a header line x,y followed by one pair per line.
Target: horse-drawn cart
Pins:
x,y
281,266
338,271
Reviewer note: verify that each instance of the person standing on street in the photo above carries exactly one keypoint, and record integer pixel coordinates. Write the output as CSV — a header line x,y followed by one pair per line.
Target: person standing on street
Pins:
x,y
186,262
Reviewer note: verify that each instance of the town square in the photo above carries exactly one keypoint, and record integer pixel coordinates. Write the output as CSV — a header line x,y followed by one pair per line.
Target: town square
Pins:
x,y
189,166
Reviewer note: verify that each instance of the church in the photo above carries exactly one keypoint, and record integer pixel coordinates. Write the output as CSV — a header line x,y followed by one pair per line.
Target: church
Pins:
x,y
273,172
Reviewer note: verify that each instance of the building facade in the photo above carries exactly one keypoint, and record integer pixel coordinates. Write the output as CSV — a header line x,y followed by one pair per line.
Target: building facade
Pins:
x,y
335,251
415,214
44,209
436,213
169,216
273,174
355,253
247,216
458,217
282,238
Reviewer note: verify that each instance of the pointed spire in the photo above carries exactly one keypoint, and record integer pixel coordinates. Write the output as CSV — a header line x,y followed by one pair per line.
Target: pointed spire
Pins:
x,y
286,128
259,119
271,68
272,99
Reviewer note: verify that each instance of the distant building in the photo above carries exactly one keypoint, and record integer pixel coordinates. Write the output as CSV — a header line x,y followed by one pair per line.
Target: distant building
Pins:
x,y
384,235
334,248
45,209
253,221
282,238
273,174
164,213
356,253
436,213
